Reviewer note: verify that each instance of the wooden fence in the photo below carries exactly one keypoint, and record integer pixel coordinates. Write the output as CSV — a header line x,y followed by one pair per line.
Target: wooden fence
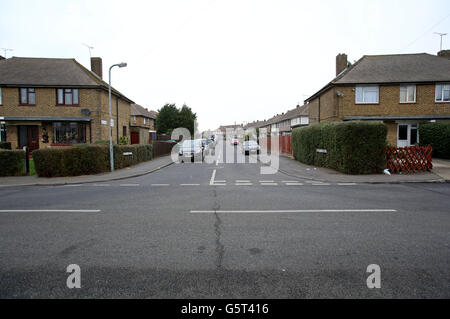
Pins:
x,y
284,143
409,159
161,148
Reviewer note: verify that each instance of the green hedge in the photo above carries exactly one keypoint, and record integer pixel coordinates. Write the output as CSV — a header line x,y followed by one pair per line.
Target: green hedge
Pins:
x,y
5,145
438,136
352,147
87,159
11,162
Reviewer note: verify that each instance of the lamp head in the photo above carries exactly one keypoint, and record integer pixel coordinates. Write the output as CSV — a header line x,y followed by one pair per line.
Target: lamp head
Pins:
x,y
122,65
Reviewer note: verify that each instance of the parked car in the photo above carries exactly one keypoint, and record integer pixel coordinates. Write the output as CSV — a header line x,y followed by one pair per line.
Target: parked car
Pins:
x,y
191,150
250,147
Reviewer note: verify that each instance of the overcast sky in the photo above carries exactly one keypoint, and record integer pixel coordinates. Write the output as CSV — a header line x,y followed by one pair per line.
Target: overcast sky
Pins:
x,y
230,60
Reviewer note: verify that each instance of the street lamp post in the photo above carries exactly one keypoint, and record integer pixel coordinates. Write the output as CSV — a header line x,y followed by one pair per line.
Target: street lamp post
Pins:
x,y
111,152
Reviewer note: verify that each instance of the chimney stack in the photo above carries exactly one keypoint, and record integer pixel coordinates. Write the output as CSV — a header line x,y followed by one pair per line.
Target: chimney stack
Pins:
x,y
444,54
96,66
341,63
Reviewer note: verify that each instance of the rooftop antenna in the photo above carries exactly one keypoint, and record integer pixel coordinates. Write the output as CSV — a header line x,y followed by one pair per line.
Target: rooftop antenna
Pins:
x,y
5,50
441,35
90,48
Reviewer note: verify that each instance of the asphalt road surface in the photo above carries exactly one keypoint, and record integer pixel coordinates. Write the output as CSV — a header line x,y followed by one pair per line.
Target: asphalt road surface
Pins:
x,y
225,231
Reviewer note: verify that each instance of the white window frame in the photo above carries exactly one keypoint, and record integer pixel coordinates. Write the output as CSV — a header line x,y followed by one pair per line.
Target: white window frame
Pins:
x,y
0,96
134,119
444,87
406,88
363,88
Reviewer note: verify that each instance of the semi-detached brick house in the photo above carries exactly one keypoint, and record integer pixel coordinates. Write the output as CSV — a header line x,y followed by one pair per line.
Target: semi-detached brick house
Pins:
x,y
284,123
53,102
142,125
401,90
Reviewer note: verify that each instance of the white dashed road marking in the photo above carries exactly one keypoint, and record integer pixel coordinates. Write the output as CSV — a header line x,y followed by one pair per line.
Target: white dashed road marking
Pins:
x,y
293,211
294,184
160,184
189,184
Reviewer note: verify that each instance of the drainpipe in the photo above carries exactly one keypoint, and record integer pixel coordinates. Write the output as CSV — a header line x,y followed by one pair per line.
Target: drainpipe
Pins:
x,y
319,108
117,118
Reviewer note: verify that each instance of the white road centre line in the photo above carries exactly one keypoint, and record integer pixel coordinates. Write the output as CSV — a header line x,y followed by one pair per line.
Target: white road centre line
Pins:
x,y
189,184
220,181
211,182
293,211
294,184
130,185
267,181
269,184
290,181
242,181
160,184
321,184
243,184
50,211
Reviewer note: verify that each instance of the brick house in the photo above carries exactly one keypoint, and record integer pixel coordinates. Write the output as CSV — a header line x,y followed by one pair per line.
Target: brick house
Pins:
x,y
285,122
57,102
142,125
402,90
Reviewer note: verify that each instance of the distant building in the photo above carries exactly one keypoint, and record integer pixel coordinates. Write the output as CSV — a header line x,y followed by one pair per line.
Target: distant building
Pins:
x,y
142,125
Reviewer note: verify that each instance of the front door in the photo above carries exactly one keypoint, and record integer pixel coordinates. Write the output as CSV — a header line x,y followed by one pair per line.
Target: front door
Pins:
x,y
29,136
407,135
134,138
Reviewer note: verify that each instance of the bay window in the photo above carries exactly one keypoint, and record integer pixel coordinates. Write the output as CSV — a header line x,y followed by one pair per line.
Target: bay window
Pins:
x,y
69,133
367,95
408,94
67,96
442,93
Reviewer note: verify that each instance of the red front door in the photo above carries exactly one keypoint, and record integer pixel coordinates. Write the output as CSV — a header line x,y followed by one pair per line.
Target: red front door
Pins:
x,y
134,138
29,136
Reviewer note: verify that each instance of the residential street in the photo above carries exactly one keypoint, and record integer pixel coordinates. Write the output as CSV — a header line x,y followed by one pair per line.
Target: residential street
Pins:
x,y
225,231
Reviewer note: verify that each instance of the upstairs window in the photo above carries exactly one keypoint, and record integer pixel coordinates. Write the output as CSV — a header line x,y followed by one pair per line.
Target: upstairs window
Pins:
x,y
27,96
0,96
408,94
67,96
442,93
367,95
145,121
134,119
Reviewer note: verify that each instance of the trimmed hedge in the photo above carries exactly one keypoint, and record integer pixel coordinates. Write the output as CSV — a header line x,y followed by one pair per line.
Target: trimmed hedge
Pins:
x,y
438,136
352,147
87,159
5,145
11,162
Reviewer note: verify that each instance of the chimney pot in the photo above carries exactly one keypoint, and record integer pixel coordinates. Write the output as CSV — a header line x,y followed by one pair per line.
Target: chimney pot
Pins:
x,y
444,54
97,67
341,63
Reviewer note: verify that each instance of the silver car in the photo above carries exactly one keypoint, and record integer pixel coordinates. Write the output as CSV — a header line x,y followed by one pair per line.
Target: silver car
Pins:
x,y
191,151
250,147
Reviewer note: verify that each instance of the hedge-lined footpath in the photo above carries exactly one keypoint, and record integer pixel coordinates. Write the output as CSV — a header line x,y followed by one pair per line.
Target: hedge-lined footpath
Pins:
x,y
11,162
87,159
438,136
351,147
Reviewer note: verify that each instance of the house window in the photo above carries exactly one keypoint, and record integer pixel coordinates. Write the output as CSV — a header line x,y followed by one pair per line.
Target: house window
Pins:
x,y
134,119
0,96
27,96
442,93
67,96
367,95
407,94
145,121
69,133
2,133
124,131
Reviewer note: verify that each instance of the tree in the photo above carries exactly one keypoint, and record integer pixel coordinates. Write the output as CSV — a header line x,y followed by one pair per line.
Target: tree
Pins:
x,y
167,119
186,118
170,118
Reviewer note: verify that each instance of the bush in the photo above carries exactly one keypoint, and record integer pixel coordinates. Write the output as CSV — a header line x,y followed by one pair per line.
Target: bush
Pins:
x,y
438,136
11,162
87,159
5,145
351,147
123,140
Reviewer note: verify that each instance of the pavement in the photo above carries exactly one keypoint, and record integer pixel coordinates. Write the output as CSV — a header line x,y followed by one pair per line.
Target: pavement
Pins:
x,y
439,173
128,172
223,230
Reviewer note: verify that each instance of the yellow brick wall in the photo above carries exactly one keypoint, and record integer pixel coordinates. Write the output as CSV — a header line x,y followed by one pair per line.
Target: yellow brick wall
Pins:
x,y
329,110
96,100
